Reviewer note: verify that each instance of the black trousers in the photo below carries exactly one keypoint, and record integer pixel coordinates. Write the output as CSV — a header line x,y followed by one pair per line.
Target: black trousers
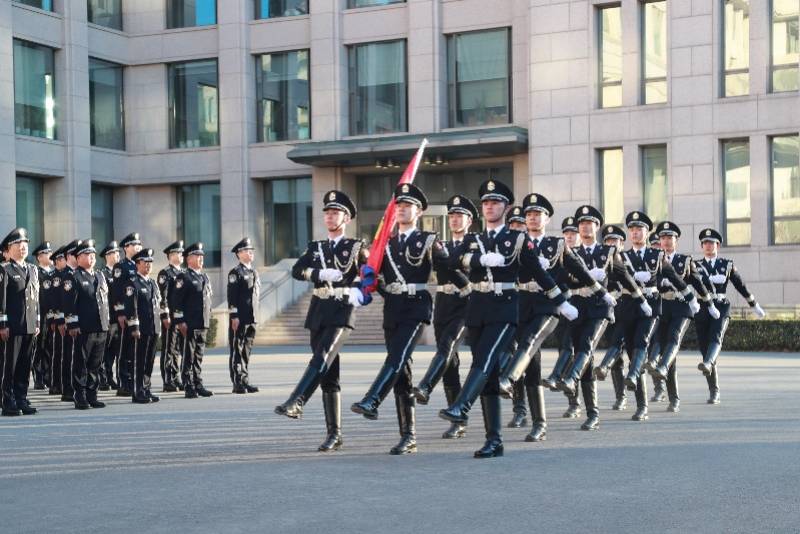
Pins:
x,y
41,359
448,337
530,336
488,343
669,336
67,357
635,332
125,364
192,365
111,354
241,345
326,343
56,353
17,354
400,344
711,331
90,348
144,360
171,344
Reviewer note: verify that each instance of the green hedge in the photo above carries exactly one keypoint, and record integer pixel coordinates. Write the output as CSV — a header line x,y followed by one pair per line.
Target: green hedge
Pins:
x,y
742,336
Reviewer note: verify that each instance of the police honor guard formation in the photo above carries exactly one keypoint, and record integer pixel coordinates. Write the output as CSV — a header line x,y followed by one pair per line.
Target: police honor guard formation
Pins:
x,y
503,290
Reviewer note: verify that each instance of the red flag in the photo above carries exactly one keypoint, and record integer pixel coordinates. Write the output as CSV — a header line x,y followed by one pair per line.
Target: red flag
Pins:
x,y
369,279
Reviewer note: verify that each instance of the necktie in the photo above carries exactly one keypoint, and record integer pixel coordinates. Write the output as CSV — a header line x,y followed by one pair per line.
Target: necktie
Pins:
x,y
332,243
492,233
402,240
457,242
535,242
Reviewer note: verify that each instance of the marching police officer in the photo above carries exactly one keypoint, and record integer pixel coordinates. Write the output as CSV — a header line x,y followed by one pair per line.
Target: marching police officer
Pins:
x,y
19,323
449,311
171,341
332,265
123,272
110,255
87,316
191,310
711,330
41,356
410,257
244,286
493,259
143,313
675,313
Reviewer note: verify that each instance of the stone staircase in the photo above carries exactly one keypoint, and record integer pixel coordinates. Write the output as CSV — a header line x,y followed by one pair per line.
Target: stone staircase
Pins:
x,y
287,327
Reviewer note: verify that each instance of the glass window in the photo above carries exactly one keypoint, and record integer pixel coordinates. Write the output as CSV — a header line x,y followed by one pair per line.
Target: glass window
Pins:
x,y
34,90
30,208
736,164
268,9
654,51
187,13
106,13
654,171
479,77
107,128
46,5
611,185
287,218
193,104
785,45
786,189
102,214
378,99
736,47
283,96
199,219
369,3
610,32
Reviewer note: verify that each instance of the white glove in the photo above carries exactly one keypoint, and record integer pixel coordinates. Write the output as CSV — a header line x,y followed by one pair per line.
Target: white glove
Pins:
x,y
609,299
695,307
568,310
492,259
356,297
666,283
648,311
613,318
717,278
598,274
642,276
330,275
713,311
759,311
544,262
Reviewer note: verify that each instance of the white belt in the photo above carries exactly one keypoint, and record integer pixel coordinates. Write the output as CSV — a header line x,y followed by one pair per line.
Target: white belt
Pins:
x,y
396,288
331,292
669,295
531,286
489,287
451,289
650,291
584,292
720,297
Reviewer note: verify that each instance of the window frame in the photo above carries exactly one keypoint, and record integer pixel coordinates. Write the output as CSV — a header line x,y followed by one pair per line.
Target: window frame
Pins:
x,y
724,210
724,51
642,169
257,13
643,55
171,118
167,17
180,226
259,110
601,180
122,105
600,83
773,68
772,217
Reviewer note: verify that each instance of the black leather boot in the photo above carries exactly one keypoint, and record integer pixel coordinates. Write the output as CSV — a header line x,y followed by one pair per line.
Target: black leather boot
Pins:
x,y
672,390
713,386
407,421
611,358
491,421
293,407
635,368
380,388
81,403
574,407
536,400
332,405
432,377
659,390
569,385
618,380
519,418
710,359
458,411
641,400
527,349
456,430
559,369
589,390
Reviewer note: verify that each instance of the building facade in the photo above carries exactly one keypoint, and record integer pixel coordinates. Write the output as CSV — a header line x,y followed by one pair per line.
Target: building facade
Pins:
x,y
209,120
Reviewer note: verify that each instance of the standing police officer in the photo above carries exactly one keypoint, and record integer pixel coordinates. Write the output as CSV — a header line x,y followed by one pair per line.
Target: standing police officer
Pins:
x,y
191,309
143,315
69,349
53,314
111,256
123,272
171,341
19,323
87,316
244,286
41,356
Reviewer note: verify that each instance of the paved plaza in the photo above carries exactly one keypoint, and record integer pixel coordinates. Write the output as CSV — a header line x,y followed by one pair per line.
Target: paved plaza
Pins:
x,y
228,464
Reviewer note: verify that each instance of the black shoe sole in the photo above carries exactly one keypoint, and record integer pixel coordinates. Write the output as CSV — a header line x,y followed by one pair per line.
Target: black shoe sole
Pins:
x,y
372,416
